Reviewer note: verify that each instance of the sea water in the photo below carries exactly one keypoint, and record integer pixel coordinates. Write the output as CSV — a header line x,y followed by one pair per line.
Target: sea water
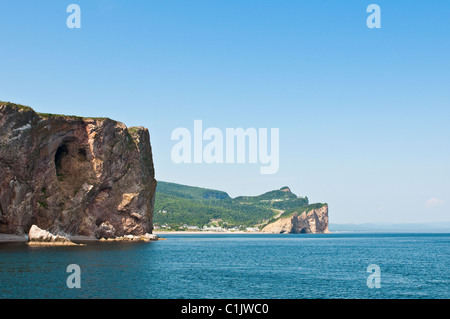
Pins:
x,y
253,266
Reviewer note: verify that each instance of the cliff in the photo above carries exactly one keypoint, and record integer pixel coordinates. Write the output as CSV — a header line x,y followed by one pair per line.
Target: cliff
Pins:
x,y
74,176
312,220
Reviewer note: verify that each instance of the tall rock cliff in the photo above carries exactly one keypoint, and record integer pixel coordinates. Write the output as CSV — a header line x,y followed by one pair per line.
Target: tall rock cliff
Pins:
x,y
310,221
73,175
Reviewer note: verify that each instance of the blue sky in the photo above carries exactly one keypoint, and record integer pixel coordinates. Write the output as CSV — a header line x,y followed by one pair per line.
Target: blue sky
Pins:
x,y
364,114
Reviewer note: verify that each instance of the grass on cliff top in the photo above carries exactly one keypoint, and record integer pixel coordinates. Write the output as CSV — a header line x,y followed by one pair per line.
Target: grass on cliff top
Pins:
x,y
19,106
135,129
50,115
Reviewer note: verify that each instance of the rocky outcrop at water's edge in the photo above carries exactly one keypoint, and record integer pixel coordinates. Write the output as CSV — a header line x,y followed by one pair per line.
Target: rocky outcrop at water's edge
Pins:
x,y
307,222
38,236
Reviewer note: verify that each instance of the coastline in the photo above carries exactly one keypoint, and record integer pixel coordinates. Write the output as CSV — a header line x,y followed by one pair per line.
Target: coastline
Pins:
x,y
8,238
76,240
195,232
81,238
63,243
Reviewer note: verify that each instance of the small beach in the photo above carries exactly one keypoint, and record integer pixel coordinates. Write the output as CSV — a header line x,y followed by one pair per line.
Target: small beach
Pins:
x,y
206,232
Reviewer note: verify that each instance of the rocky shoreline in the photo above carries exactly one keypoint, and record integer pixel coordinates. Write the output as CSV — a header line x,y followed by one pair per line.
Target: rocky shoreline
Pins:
x,y
40,237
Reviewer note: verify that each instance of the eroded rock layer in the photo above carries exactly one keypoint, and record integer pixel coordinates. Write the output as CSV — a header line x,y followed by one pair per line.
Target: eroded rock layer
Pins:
x,y
309,222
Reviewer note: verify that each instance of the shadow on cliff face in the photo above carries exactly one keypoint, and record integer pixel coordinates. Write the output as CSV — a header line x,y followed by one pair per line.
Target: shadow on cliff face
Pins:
x,y
70,174
72,167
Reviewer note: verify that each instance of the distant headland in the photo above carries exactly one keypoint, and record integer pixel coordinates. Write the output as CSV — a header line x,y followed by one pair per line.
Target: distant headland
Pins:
x,y
194,209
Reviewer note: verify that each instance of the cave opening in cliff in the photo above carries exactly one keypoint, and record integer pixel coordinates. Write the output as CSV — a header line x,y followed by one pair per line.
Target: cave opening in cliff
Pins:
x,y
99,221
61,153
73,166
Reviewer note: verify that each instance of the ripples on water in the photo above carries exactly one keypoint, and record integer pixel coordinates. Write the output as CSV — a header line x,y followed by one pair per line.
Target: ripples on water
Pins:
x,y
234,266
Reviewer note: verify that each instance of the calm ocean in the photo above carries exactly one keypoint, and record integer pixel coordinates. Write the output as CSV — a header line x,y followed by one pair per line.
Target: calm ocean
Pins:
x,y
227,266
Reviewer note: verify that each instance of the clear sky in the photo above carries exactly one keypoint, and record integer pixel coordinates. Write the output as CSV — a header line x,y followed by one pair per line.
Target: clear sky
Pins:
x,y
363,114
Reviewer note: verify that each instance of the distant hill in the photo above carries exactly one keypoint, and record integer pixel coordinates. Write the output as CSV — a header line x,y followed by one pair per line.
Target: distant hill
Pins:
x,y
177,205
190,192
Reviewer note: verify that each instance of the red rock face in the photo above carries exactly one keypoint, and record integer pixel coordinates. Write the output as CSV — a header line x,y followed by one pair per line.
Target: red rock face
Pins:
x,y
70,175
308,222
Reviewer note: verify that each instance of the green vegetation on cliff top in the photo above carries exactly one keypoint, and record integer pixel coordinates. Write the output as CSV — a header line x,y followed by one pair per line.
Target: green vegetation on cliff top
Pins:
x,y
177,205
49,115
20,106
